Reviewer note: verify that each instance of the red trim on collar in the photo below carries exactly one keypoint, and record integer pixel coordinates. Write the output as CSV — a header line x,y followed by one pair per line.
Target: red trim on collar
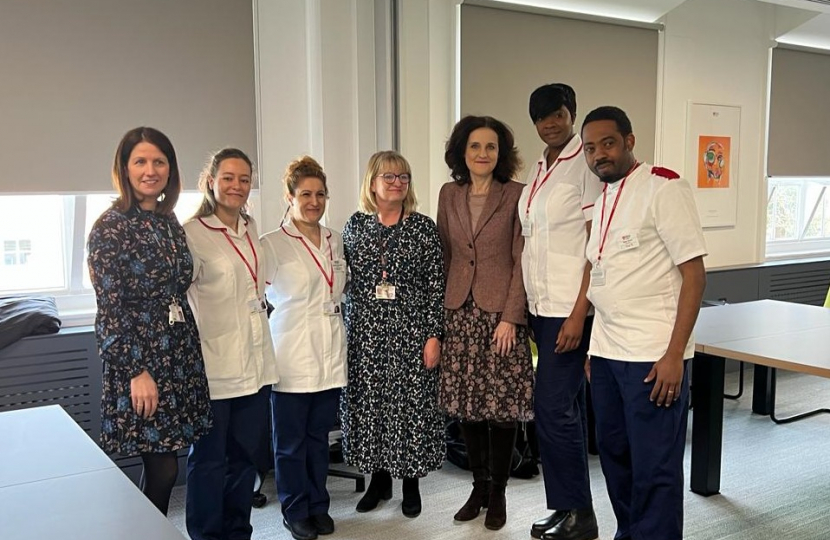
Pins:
x,y
328,232
223,228
576,153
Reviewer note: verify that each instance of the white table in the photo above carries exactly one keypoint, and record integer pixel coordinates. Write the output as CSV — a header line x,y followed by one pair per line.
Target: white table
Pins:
x,y
56,483
767,333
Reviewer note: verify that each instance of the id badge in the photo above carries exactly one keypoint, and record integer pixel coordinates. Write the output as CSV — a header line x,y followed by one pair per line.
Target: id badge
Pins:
x,y
385,291
628,240
527,227
175,313
257,305
597,277
339,265
330,308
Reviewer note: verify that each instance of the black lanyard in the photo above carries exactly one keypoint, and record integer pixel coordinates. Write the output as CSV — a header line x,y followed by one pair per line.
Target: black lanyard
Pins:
x,y
383,243
165,253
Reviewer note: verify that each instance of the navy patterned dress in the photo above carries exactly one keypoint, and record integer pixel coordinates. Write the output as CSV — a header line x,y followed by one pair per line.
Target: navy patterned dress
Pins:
x,y
389,410
138,262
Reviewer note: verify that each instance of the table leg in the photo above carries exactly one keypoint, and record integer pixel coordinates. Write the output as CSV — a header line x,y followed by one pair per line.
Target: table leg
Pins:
x,y
707,423
762,382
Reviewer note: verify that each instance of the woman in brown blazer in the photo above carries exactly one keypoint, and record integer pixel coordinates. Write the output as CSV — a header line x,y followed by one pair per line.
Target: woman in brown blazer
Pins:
x,y
486,368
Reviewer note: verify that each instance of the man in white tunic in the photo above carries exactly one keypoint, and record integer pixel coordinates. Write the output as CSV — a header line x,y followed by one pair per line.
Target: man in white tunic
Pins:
x,y
646,252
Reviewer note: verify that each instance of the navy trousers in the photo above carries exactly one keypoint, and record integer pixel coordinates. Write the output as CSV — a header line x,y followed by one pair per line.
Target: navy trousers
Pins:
x,y
640,448
301,423
221,469
561,419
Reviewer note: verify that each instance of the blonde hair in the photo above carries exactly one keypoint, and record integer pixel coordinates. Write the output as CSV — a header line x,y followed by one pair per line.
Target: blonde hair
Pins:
x,y
377,163
302,167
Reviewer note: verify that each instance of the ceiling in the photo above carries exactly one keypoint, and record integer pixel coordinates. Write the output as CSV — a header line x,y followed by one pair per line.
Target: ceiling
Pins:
x,y
815,32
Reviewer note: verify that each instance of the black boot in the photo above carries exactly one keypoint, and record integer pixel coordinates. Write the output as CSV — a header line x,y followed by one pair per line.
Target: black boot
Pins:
x,y
411,506
477,440
380,487
578,525
502,441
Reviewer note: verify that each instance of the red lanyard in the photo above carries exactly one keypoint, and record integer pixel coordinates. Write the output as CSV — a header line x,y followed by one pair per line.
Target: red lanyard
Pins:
x,y
604,236
534,189
238,252
328,277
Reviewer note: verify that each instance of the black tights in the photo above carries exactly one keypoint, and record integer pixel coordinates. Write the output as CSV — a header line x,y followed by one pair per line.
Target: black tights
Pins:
x,y
159,477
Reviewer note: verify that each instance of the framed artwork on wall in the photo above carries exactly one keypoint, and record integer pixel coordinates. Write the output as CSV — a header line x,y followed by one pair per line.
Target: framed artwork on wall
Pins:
x,y
712,157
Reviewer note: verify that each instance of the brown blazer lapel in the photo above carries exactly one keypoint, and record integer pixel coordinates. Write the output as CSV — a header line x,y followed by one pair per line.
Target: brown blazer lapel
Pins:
x,y
462,210
490,205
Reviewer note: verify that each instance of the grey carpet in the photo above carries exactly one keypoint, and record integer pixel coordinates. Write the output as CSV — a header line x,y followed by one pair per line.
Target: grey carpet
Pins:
x,y
775,485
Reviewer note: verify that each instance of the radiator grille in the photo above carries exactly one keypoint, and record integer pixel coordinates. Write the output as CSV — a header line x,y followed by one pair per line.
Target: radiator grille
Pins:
x,y
802,285
61,369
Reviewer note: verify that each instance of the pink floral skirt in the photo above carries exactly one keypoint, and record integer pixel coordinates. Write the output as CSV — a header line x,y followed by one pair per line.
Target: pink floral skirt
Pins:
x,y
476,382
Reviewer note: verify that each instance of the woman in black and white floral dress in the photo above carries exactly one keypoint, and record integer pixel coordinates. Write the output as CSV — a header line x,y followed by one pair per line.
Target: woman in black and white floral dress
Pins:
x,y
392,426
155,394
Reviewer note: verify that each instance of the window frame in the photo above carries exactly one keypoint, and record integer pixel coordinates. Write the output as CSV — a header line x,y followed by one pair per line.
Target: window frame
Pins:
x,y
76,302
799,247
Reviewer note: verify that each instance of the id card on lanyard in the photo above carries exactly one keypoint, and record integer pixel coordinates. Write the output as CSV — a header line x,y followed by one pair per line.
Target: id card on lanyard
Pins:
x,y
175,313
331,306
598,272
385,290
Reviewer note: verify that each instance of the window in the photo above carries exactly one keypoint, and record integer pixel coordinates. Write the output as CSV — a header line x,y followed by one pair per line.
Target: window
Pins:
x,y
186,206
47,254
33,247
798,216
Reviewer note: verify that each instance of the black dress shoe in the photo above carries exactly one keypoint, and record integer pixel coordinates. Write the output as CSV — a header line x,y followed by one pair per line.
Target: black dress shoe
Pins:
x,y
301,529
539,527
323,523
411,506
578,525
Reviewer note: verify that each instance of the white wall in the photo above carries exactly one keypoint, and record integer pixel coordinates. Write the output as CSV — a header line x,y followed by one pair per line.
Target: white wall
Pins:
x,y
713,52
316,56
318,95
427,92
721,59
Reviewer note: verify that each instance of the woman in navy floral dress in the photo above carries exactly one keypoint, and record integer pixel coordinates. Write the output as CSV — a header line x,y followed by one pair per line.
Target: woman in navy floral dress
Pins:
x,y
392,426
155,395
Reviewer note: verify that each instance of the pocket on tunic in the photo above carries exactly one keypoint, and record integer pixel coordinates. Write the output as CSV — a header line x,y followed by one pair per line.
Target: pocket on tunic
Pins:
x,y
222,358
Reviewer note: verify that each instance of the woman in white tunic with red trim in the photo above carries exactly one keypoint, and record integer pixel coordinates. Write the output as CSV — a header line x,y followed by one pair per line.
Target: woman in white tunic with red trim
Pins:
x,y
306,276
227,297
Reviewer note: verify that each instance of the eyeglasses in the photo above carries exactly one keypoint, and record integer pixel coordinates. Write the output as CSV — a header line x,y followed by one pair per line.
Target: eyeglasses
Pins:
x,y
389,177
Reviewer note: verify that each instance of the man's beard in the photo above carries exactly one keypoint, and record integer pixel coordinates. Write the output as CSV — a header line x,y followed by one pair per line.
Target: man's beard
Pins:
x,y
611,178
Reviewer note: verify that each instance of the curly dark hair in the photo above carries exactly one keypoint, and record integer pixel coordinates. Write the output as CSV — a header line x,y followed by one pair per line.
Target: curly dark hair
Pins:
x,y
508,161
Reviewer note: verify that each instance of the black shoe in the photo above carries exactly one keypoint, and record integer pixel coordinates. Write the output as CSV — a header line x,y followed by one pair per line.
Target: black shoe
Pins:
x,y
301,529
539,527
411,506
380,487
323,523
578,525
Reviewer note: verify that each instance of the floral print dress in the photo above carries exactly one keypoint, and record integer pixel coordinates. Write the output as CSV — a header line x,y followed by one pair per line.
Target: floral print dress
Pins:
x,y
138,263
389,410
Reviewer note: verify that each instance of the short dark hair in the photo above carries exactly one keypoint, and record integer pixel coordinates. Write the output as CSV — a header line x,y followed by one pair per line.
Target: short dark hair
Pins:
x,y
508,161
549,98
609,112
121,176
